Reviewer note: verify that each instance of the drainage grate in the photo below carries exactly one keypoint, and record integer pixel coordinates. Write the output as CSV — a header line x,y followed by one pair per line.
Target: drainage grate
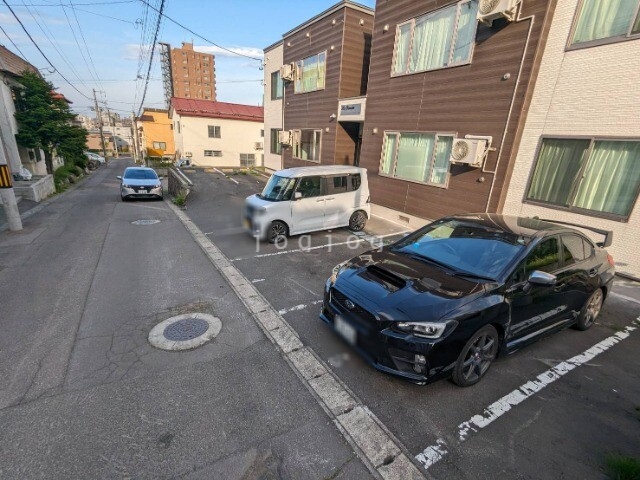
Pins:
x,y
145,222
187,329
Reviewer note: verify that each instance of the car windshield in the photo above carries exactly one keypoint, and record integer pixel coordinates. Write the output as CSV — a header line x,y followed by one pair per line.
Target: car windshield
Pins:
x,y
466,248
141,174
278,188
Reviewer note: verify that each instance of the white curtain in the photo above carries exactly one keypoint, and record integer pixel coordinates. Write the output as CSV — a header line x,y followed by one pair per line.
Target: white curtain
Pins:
x,y
432,40
466,32
441,161
603,19
559,162
414,154
611,178
403,36
388,153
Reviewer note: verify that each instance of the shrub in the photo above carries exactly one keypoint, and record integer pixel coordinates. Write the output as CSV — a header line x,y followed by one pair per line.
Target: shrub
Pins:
x,y
620,467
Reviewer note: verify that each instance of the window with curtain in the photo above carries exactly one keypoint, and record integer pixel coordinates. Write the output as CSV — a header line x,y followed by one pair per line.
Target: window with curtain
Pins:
x,y
439,39
306,144
310,73
276,146
419,157
595,175
277,86
603,19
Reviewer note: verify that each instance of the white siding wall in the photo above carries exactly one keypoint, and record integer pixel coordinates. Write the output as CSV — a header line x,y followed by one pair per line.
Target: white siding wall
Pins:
x,y
272,108
592,91
237,136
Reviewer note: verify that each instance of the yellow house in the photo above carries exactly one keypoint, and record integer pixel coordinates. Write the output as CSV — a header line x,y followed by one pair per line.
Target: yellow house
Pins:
x,y
157,133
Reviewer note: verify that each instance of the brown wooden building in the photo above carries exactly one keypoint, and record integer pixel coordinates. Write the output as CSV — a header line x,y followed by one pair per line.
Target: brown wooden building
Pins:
x,y
330,59
438,75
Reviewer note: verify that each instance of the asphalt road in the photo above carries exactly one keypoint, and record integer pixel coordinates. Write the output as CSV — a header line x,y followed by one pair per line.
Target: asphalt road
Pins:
x,y
84,395
564,430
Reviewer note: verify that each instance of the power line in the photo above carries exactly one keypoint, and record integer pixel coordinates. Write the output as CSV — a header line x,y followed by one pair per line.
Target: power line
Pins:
x,y
12,42
198,35
153,49
84,40
41,52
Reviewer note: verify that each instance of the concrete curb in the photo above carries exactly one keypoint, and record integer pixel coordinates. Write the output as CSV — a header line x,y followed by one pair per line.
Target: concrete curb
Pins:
x,y
379,450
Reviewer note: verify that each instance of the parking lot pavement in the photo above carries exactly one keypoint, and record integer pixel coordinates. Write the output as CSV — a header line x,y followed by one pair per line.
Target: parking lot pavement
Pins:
x,y
563,430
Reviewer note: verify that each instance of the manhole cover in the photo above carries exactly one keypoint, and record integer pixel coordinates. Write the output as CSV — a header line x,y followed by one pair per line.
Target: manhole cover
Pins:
x,y
185,332
187,329
145,222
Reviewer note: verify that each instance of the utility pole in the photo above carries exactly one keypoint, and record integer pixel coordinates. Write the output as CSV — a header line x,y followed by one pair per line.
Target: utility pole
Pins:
x,y
134,137
99,116
113,132
7,195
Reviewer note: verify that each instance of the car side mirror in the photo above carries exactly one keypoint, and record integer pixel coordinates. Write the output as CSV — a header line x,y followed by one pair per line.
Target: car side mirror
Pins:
x,y
119,177
160,177
542,278
297,195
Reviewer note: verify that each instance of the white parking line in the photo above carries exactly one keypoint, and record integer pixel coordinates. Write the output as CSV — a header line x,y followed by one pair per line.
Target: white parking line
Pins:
x,y
225,175
379,450
434,453
256,280
284,311
624,297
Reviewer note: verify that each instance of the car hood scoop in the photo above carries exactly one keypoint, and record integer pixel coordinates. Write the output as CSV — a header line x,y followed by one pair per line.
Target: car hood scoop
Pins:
x,y
388,280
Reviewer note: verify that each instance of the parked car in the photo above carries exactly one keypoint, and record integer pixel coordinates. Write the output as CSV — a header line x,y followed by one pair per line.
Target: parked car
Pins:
x,y
183,162
94,156
140,182
448,298
307,199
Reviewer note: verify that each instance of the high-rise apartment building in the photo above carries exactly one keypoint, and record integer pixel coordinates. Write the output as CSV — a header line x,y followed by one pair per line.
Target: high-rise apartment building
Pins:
x,y
192,74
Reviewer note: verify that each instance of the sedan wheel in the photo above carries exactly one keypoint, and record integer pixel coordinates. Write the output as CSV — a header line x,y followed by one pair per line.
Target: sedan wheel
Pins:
x,y
278,232
357,221
476,357
591,310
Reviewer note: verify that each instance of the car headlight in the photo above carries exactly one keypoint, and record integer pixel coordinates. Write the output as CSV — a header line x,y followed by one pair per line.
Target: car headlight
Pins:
x,y
336,271
124,185
425,329
157,185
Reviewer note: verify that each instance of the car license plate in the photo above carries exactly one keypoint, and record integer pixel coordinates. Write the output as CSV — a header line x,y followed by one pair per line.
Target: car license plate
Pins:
x,y
345,330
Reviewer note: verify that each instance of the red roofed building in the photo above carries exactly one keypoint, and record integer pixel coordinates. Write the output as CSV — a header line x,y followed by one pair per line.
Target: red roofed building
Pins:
x,y
217,134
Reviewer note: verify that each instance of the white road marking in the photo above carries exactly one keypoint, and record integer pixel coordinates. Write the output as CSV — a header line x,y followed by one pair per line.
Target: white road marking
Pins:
x,y
380,452
221,173
624,297
234,180
434,453
256,280
284,311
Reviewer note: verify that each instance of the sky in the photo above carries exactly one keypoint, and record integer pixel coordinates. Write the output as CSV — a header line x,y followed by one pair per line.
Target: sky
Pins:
x,y
105,45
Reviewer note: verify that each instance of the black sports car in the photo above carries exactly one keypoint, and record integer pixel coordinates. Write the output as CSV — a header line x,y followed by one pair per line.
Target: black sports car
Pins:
x,y
448,298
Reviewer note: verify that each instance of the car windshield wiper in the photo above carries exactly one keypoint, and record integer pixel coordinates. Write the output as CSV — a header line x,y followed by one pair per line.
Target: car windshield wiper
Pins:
x,y
429,259
462,273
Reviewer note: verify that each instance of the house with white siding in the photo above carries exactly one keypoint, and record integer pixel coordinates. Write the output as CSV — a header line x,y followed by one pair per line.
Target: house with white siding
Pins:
x,y
217,134
579,154
273,98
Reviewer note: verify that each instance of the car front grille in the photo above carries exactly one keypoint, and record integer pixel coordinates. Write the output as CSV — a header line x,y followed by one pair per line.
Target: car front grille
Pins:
x,y
340,300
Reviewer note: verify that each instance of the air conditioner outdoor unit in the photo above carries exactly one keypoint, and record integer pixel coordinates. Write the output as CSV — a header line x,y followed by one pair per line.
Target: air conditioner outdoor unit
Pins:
x,y
284,137
258,146
490,10
287,71
188,154
469,151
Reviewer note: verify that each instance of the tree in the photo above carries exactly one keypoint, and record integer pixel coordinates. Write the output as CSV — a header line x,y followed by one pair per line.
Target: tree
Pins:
x,y
44,121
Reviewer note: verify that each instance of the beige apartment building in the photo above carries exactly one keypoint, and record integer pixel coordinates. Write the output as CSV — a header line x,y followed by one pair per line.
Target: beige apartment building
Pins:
x,y
273,96
192,73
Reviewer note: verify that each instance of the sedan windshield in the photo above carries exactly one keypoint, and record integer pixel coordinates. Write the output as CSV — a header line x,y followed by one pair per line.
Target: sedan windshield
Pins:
x,y
464,247
278,188
140,174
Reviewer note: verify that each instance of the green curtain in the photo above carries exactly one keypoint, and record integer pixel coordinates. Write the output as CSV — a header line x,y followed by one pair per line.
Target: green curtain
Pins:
x,y
321,70
559,162
603,19
432,40
402,48
440,168
414,152
390,142
466,32
611,178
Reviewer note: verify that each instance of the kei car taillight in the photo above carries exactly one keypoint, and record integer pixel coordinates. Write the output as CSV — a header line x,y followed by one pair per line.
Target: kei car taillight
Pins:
x,y
610,260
